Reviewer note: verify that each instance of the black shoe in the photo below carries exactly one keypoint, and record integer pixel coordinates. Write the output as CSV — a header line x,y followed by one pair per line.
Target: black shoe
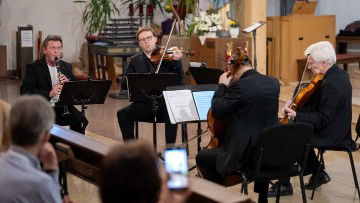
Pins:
x,y
323,179
285,190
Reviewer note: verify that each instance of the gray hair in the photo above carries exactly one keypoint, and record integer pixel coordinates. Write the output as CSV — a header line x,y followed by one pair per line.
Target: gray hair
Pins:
x,y
322,52
30,118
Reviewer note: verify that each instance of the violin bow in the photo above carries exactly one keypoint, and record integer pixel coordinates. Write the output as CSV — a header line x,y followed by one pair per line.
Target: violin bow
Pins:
x,y
300,82
167,43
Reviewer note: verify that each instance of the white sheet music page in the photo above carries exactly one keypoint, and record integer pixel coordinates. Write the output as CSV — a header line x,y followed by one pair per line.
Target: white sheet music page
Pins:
x,y
252,27
181,106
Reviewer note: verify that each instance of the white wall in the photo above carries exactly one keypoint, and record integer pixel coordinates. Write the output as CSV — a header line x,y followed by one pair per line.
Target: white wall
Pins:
x,y
273,7
61,17
346,11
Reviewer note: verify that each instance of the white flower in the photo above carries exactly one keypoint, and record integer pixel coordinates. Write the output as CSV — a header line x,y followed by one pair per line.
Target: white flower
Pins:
x,y
205,23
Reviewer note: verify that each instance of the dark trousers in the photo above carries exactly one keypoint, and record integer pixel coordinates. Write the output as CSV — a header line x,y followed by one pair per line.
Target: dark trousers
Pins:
x,y
144,112
71,117
206,162
311,166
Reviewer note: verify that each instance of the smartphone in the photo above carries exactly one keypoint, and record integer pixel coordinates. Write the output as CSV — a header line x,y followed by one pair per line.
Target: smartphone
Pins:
x,y
176,167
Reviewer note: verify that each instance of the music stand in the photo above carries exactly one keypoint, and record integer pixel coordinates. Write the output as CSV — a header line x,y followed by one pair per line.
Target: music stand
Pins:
x,y
143,87
84,92
205,75
252,28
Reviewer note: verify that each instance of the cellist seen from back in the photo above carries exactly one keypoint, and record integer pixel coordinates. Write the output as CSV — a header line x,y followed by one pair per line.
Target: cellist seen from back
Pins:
x,y
328,110
248,101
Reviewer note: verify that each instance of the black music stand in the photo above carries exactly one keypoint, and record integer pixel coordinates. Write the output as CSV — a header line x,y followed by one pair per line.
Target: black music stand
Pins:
x,y
148,87
199,131
204,75
84,92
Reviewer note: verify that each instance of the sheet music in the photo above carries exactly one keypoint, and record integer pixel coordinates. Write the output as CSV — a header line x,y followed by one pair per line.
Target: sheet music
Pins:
x,y
180,105
253,27
203,103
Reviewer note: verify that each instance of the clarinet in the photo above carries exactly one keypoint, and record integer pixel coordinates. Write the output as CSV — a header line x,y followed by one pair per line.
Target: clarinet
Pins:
x,y
57,64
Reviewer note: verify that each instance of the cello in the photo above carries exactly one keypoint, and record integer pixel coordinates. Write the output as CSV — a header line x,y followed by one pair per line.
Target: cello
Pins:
x,y
218,126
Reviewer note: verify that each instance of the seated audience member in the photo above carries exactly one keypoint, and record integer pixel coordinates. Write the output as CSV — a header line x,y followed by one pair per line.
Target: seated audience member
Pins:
x,y
22,177
130,173
4,128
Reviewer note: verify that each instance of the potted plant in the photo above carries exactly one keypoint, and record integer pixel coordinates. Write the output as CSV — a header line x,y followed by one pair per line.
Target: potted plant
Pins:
x,y
96,15
234,29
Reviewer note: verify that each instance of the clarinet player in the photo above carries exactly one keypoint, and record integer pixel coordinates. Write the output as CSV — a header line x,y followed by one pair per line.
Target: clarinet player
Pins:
x,y
46,77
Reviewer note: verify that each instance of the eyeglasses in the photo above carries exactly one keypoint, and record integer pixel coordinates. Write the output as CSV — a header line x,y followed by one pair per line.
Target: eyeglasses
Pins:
x,y
148,38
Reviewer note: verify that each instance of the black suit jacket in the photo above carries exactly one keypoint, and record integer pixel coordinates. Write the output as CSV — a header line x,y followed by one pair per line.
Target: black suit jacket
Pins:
x,y
249,105
37,78
329,110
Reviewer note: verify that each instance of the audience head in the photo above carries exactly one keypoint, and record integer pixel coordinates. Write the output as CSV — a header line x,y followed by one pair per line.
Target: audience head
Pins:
x,y
31,118
321,56
130,174
4,126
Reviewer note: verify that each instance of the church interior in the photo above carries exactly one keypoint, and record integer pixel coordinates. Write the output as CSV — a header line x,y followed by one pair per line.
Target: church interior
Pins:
x,y
99,45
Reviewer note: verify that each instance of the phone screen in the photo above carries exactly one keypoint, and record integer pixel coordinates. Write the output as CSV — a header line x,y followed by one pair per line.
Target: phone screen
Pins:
x,y
176,168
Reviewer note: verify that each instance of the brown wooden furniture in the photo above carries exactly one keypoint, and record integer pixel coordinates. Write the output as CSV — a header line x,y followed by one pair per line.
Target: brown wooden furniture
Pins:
x,y
343,41
214,49
344,59
289,36
86,155
107,64
3,62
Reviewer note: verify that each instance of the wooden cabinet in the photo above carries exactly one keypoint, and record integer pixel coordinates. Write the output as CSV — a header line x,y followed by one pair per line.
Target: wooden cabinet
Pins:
x,y
214,49
289,36
3,62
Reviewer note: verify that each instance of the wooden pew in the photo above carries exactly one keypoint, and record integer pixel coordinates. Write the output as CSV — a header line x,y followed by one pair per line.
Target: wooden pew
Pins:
x,y
84,155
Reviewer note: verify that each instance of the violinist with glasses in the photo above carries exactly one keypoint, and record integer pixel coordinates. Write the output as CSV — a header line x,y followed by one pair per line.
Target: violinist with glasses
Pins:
x,y
47,76
248,102
328,110
148,62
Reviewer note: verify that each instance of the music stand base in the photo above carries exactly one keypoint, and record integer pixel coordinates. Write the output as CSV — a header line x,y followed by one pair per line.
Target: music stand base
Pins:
x,y
123,94
160,156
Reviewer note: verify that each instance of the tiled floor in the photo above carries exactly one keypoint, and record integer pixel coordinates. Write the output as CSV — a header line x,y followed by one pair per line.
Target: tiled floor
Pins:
x,y
104,128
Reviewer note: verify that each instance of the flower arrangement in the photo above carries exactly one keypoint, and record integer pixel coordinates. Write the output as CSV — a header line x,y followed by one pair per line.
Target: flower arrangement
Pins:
x,y
233,24
204,23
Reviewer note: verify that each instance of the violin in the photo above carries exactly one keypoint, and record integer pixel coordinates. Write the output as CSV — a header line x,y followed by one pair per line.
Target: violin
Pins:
x,y
168,55
303,96
218,127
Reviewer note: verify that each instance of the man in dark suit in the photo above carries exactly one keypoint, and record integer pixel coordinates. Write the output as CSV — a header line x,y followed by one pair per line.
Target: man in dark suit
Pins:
x,y
142,111
248,101
329,110
43,78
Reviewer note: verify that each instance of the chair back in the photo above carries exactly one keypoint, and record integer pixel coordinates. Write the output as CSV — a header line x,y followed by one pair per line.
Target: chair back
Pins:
x,y
284,145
